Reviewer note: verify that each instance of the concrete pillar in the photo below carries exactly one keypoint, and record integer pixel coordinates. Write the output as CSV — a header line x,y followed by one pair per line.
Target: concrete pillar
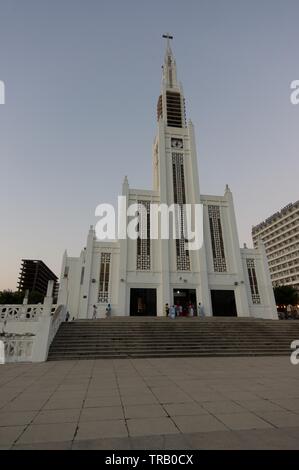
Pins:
x,y
123,243
63,283
48,300
267,288
25,300
240,291
84,302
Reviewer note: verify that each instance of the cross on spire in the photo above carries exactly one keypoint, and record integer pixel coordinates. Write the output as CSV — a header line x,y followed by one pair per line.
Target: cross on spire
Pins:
x,y
168,37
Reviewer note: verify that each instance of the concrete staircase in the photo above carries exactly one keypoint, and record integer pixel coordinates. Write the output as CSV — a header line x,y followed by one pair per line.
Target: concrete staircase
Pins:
x,y
162,337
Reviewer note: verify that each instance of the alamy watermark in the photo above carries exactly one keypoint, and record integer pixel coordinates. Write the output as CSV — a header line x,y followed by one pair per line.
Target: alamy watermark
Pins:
x,y
2,92
2,352
294,97
151,221
295,354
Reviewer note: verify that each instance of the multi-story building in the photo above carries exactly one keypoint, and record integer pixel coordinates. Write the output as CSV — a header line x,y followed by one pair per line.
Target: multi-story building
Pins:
x,y
35,275
280,234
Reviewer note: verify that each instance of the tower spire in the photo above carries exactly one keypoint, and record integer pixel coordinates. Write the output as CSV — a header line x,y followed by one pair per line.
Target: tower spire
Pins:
x,y
169,67
167,36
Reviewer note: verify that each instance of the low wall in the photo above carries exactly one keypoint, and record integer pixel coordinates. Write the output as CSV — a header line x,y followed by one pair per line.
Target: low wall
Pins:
x,y
28,330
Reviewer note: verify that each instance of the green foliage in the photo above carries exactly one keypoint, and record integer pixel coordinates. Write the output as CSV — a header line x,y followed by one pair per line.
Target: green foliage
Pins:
x,y
285,295
35,297
10,297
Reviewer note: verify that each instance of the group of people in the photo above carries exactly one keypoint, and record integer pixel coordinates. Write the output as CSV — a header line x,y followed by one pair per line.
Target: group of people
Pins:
x,y
290,312
190,310
95,311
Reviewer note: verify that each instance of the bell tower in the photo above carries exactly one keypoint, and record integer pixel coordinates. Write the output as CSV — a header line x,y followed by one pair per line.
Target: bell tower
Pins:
x,y
175,178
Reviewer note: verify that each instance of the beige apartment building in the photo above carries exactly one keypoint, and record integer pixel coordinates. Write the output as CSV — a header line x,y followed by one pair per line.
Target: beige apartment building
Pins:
x,y
280,234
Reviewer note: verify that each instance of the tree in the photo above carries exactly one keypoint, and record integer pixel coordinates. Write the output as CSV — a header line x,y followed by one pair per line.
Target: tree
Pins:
x,y
16,298
285,295
35,297
10,297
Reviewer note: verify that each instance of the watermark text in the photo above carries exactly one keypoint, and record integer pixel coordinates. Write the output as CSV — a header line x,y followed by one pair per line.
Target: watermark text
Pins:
x,y
2,92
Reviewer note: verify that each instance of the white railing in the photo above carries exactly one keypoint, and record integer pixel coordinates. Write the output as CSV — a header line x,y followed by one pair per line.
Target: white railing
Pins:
x,y
22,312
58,317
18,348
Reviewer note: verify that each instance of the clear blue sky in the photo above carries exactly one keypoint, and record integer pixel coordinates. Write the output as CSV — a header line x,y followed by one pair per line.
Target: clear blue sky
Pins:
x,y
82,80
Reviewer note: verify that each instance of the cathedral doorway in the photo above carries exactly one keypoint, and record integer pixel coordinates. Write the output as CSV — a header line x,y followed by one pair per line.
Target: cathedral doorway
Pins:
x,y
183,298
143,302
223,303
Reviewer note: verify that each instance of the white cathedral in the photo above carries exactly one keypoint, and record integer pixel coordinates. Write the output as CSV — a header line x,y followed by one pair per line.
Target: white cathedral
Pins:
x,y
140,276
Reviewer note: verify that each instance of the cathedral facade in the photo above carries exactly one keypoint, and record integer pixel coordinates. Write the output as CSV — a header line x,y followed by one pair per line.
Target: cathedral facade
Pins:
x,y
141,276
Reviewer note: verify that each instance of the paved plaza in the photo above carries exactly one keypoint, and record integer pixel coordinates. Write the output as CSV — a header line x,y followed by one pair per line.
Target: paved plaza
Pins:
x,y
191,403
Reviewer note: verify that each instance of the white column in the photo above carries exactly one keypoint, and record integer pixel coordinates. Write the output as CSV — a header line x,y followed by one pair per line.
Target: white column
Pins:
x,y
48,300
123,243
85,308
166,296
202,291
267,288
237,266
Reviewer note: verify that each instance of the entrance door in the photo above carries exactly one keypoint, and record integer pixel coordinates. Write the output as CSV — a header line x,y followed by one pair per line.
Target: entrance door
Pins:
x,y
183,298
143,302
223,303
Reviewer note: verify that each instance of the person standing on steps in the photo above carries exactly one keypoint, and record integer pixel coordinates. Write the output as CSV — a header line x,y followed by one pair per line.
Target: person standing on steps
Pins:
x,y
200,311
172,312
94,314
166,310
108,311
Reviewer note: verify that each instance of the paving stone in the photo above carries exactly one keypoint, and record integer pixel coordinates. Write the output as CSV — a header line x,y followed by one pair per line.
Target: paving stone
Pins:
x,y
199,394
171,395
64,445
144,411
243,421
291,404
144,399
150,426
185,409
214,440
101,429
200,423
15,418
215,407
63,403
48,433
25,405
9,434
57,416
101,413
259,405
123,443
94,402
280,419
272,439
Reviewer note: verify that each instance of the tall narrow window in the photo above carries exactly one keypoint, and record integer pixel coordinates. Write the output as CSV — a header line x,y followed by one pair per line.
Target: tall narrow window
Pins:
x,y
217,239
104,294
182,255
82,275
255,295
143,262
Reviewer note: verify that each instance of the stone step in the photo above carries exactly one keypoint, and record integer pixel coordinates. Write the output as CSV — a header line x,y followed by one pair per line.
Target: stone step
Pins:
x,y
163,337
174,354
